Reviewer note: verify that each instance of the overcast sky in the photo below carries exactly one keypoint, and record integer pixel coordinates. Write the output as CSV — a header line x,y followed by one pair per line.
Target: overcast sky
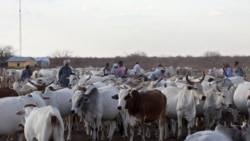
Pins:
x,y
109,28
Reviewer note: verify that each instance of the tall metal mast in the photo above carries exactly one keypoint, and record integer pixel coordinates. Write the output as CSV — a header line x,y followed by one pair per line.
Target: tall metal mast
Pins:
x,y
20,27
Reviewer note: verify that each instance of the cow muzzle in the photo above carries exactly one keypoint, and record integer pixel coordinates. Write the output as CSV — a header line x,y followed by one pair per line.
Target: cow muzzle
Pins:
x,y
119,107
203,98
72,111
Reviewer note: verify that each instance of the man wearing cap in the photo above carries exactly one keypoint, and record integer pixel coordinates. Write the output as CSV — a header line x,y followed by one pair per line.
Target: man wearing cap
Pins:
x,y
64,74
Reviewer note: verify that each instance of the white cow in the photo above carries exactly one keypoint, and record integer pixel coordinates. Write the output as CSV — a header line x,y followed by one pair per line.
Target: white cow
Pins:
x,y
216,72
236,80
43,124
51,73
181,103
96,105
221,133
89,79
212,107
9,121
241,98
61,100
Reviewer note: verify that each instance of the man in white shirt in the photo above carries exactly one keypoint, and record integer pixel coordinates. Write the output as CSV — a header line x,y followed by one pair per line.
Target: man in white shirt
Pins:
x,y
137,68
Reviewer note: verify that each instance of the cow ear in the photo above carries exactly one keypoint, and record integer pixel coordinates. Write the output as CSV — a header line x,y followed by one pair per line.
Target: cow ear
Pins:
x,y
83,89
115,97
22,112
134,92
127,97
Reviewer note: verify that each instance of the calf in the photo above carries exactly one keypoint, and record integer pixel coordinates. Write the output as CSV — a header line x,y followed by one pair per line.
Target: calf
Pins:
x,y
143,108
50,125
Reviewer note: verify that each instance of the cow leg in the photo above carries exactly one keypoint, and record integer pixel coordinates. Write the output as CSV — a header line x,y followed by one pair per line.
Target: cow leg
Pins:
x,y
190,125
206,117
161,127
103,129
112,129
143,131
94,133
131,129
148,133
9,138
20,136
98,124
139,131
167,135
87,127
173,127
179,118
70,121
124,123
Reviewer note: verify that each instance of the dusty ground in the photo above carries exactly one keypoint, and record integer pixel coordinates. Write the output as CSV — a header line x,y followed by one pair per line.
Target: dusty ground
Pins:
x,y
81,136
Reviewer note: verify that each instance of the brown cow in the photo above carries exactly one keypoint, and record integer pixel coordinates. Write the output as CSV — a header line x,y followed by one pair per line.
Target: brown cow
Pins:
x,y
143,108
7,92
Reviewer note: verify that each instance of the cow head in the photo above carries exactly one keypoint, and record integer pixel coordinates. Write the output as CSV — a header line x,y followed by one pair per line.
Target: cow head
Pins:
x,y
25,112
40,86
227,96
73,80
83,98
122,96
196,88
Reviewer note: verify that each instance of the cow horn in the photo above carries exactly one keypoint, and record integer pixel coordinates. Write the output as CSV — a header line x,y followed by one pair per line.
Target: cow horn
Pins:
x,y
189,81
50,83
89,77
203,77
32,83
139,86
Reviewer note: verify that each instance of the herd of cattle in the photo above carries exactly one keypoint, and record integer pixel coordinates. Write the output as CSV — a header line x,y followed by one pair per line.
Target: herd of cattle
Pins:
x,y
205,104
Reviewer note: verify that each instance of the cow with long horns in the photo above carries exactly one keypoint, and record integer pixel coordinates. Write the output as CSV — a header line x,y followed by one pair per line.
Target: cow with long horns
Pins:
x,y
182,101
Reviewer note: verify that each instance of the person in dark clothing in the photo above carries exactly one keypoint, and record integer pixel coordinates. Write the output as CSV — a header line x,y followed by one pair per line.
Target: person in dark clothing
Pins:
x,y
26,73
106,70
64,74
238,70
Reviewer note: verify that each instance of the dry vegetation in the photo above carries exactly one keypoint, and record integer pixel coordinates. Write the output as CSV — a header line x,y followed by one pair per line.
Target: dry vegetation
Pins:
x,y
149,62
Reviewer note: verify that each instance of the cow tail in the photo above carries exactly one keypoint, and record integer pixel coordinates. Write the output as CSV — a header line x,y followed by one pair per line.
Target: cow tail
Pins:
x,y
54,120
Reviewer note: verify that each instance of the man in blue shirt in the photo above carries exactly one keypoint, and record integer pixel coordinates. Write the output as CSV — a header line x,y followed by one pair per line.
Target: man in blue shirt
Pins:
x,y
26,73
158,73
228,71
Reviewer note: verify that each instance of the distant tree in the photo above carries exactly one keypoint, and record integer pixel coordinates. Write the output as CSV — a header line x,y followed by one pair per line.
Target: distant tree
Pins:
x,y
6,51
138,54
212,54
62,54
